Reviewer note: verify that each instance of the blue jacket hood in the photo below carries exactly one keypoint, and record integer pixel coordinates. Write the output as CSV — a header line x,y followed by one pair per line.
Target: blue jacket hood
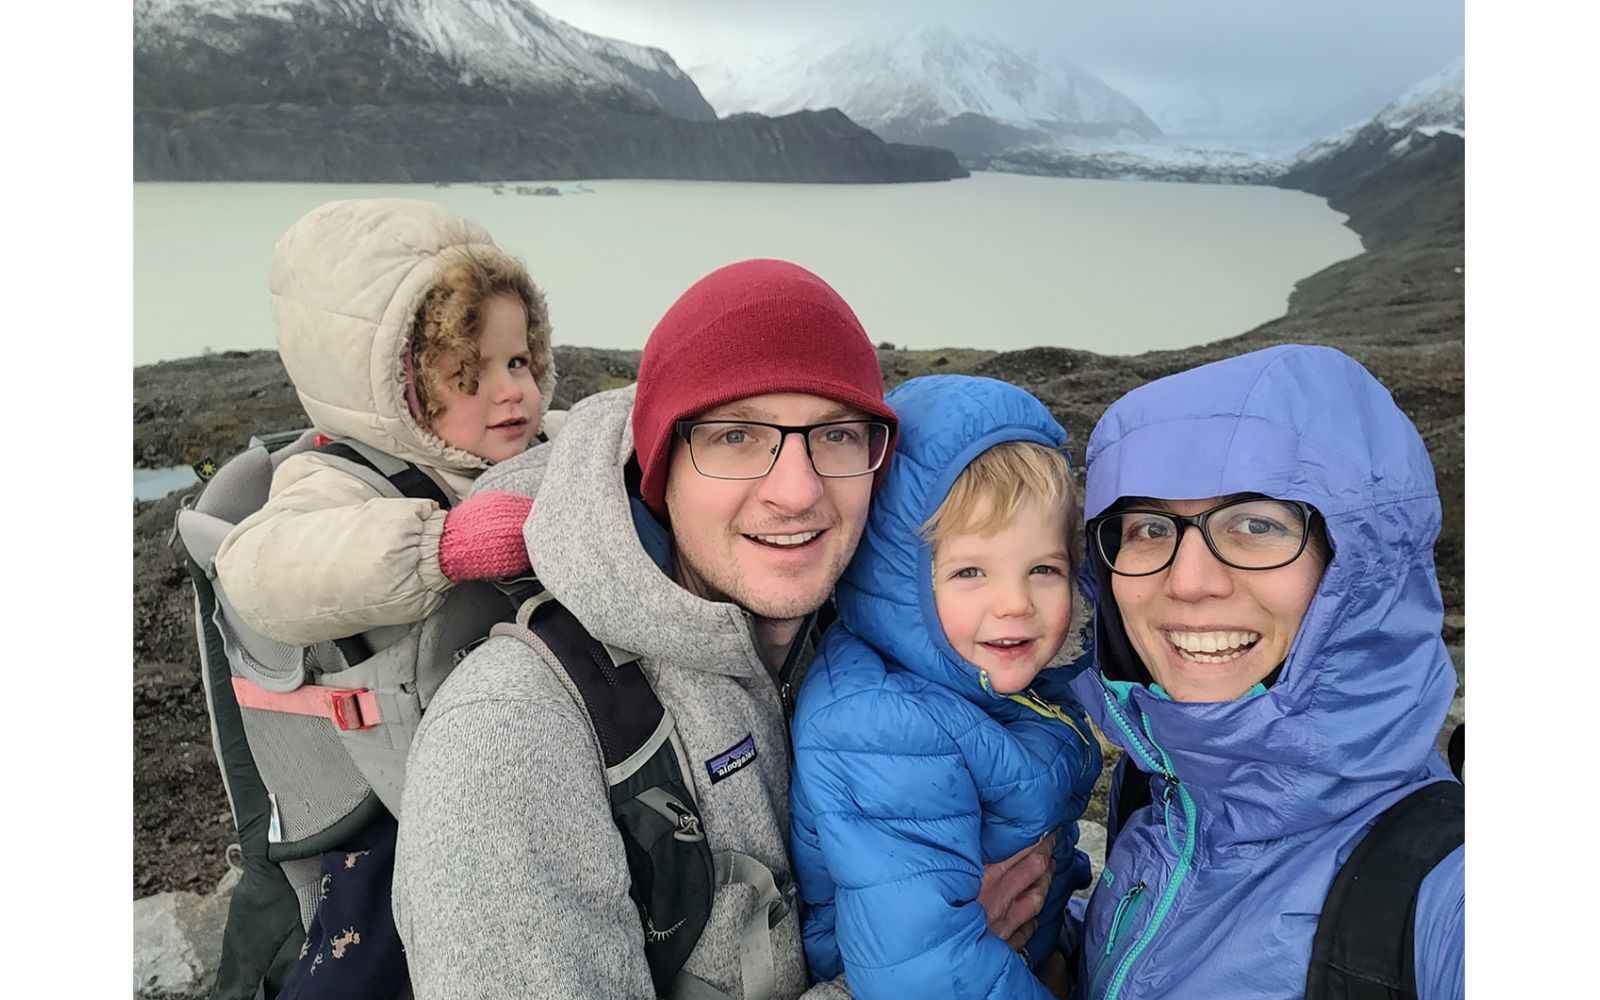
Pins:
x,y
1367,682
885,596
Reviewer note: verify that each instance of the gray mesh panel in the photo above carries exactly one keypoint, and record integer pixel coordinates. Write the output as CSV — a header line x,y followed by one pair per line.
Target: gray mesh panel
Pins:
x,y
307,769
305,876
276,666
324,658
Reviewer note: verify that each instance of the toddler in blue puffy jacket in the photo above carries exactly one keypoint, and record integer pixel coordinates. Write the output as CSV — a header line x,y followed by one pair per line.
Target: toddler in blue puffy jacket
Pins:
x,y
932,735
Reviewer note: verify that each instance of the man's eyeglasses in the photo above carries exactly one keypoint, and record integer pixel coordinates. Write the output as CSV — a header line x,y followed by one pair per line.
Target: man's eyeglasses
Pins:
x,y
1254,533
748,449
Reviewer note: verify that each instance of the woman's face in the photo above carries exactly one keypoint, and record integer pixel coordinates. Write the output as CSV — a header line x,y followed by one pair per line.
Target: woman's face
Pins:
x,y
1207,631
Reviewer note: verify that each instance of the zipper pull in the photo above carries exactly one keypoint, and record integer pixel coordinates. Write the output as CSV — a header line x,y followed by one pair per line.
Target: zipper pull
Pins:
x,y
1121,911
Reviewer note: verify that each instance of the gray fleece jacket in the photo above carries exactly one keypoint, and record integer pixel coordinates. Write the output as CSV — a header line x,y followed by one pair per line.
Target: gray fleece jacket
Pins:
x,y
510,879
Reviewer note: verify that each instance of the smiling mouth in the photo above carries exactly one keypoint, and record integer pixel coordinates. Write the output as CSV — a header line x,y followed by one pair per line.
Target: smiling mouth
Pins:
x,y
1213,647
509,424
1007,647
786,541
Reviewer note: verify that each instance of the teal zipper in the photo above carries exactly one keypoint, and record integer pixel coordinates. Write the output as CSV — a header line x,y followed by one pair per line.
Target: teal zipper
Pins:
x,y
1127,909
1185,856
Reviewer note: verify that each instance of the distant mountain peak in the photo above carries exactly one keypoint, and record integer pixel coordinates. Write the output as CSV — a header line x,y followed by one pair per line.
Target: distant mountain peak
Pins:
x,y
927,83
1437,102
1426,117
480,51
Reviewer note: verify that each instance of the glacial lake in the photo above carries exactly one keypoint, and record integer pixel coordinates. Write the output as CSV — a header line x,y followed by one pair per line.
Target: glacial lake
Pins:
x,y
998,261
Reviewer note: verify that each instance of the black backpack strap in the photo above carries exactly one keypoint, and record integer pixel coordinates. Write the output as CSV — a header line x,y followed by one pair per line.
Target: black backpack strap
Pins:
x,y
1456,752
408,479
411,482
672,875
1365,946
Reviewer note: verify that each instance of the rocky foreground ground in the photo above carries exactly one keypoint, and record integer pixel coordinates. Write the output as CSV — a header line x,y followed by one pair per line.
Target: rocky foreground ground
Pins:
x,y
1398,308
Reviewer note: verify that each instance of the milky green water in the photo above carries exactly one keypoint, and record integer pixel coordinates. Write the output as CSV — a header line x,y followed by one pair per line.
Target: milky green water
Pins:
x,y
996,260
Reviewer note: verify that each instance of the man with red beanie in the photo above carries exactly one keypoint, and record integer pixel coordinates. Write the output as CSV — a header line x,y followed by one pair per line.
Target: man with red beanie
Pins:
x,y
694,523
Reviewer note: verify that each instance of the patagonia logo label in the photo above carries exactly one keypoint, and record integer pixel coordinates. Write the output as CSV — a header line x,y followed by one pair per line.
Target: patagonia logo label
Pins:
x,y
729,761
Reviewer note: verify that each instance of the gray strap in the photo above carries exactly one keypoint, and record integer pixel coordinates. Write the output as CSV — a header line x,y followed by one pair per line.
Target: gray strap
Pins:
x,y
688,986
757,969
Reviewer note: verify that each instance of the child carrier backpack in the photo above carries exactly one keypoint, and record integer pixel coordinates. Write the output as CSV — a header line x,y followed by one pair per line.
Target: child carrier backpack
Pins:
x,y
311,740
1365,943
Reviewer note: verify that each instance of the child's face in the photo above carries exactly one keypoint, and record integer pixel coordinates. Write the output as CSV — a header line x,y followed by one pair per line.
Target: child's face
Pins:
x,y
503,416
1005,600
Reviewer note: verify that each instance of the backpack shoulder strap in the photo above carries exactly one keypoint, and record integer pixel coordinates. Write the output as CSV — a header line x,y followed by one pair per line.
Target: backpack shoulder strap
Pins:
x,y
1456,752
405,477
672,875
1365,941
389,475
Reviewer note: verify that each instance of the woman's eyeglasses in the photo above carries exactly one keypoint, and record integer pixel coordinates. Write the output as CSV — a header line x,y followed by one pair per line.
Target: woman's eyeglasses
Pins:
x,y
1254,533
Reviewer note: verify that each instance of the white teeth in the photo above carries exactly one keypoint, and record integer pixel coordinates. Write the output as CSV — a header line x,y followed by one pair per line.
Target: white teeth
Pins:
x,y
787,540
1221,646
1004,642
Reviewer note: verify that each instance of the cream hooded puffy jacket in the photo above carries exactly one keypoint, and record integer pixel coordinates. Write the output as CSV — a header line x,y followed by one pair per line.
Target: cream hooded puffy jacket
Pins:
x,y
328,556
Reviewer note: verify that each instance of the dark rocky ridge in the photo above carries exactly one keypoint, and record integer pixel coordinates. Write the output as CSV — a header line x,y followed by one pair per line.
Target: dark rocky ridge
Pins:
x,y
567,140
1398,308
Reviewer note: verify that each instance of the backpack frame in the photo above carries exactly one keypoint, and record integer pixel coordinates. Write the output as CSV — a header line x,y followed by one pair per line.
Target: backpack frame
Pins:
x,y
311,740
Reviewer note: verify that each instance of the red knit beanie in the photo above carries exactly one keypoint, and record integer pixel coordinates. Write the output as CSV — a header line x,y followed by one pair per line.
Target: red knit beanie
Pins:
x,y
750,328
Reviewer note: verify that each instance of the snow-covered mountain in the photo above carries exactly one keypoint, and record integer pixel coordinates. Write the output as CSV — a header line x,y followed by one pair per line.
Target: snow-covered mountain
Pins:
x,y
389,51
1427,118
1435,104
933,85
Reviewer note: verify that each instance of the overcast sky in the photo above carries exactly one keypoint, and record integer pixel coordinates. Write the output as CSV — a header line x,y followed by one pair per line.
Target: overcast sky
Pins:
x,y
1319,61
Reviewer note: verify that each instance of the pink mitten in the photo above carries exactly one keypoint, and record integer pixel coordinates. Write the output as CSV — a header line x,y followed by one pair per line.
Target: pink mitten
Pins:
x,y
483,537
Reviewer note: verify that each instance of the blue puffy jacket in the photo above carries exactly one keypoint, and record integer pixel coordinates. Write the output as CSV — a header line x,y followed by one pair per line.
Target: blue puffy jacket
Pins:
x,y
909,775
1215,889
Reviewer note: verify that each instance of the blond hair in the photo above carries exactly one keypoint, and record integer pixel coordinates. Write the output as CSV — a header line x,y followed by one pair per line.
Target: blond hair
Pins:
x,y
997,485
450,317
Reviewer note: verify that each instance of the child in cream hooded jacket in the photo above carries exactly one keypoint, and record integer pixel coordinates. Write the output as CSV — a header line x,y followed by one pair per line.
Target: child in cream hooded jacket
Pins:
x,y
406,329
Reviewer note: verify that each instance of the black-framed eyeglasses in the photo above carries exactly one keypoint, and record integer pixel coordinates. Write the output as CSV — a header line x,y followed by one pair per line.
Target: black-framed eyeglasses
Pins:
x,y
748,449
1253,533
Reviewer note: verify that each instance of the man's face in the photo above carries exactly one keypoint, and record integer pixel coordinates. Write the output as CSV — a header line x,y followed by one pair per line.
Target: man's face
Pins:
x,y
775,546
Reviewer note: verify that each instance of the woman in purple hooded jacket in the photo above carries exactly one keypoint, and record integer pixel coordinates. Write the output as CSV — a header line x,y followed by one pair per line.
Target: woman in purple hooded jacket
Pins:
x,y
1278,671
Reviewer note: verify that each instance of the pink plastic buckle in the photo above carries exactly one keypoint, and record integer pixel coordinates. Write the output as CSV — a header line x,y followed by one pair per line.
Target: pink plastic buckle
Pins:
x,y
347,714
347,708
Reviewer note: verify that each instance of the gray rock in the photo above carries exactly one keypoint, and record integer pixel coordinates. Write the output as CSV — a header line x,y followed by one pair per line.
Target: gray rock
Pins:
x,y
1092,841
177,940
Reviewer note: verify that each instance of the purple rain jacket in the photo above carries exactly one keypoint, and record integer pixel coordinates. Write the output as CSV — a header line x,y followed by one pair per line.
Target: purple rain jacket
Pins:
x,y
1214,890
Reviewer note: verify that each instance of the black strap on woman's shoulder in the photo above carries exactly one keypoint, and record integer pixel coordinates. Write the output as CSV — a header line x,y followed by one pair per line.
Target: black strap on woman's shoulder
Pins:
x,y
1365,946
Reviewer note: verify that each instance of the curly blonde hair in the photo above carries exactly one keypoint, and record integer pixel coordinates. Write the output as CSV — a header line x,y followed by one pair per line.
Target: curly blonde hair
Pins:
x,y
444,333
999,483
